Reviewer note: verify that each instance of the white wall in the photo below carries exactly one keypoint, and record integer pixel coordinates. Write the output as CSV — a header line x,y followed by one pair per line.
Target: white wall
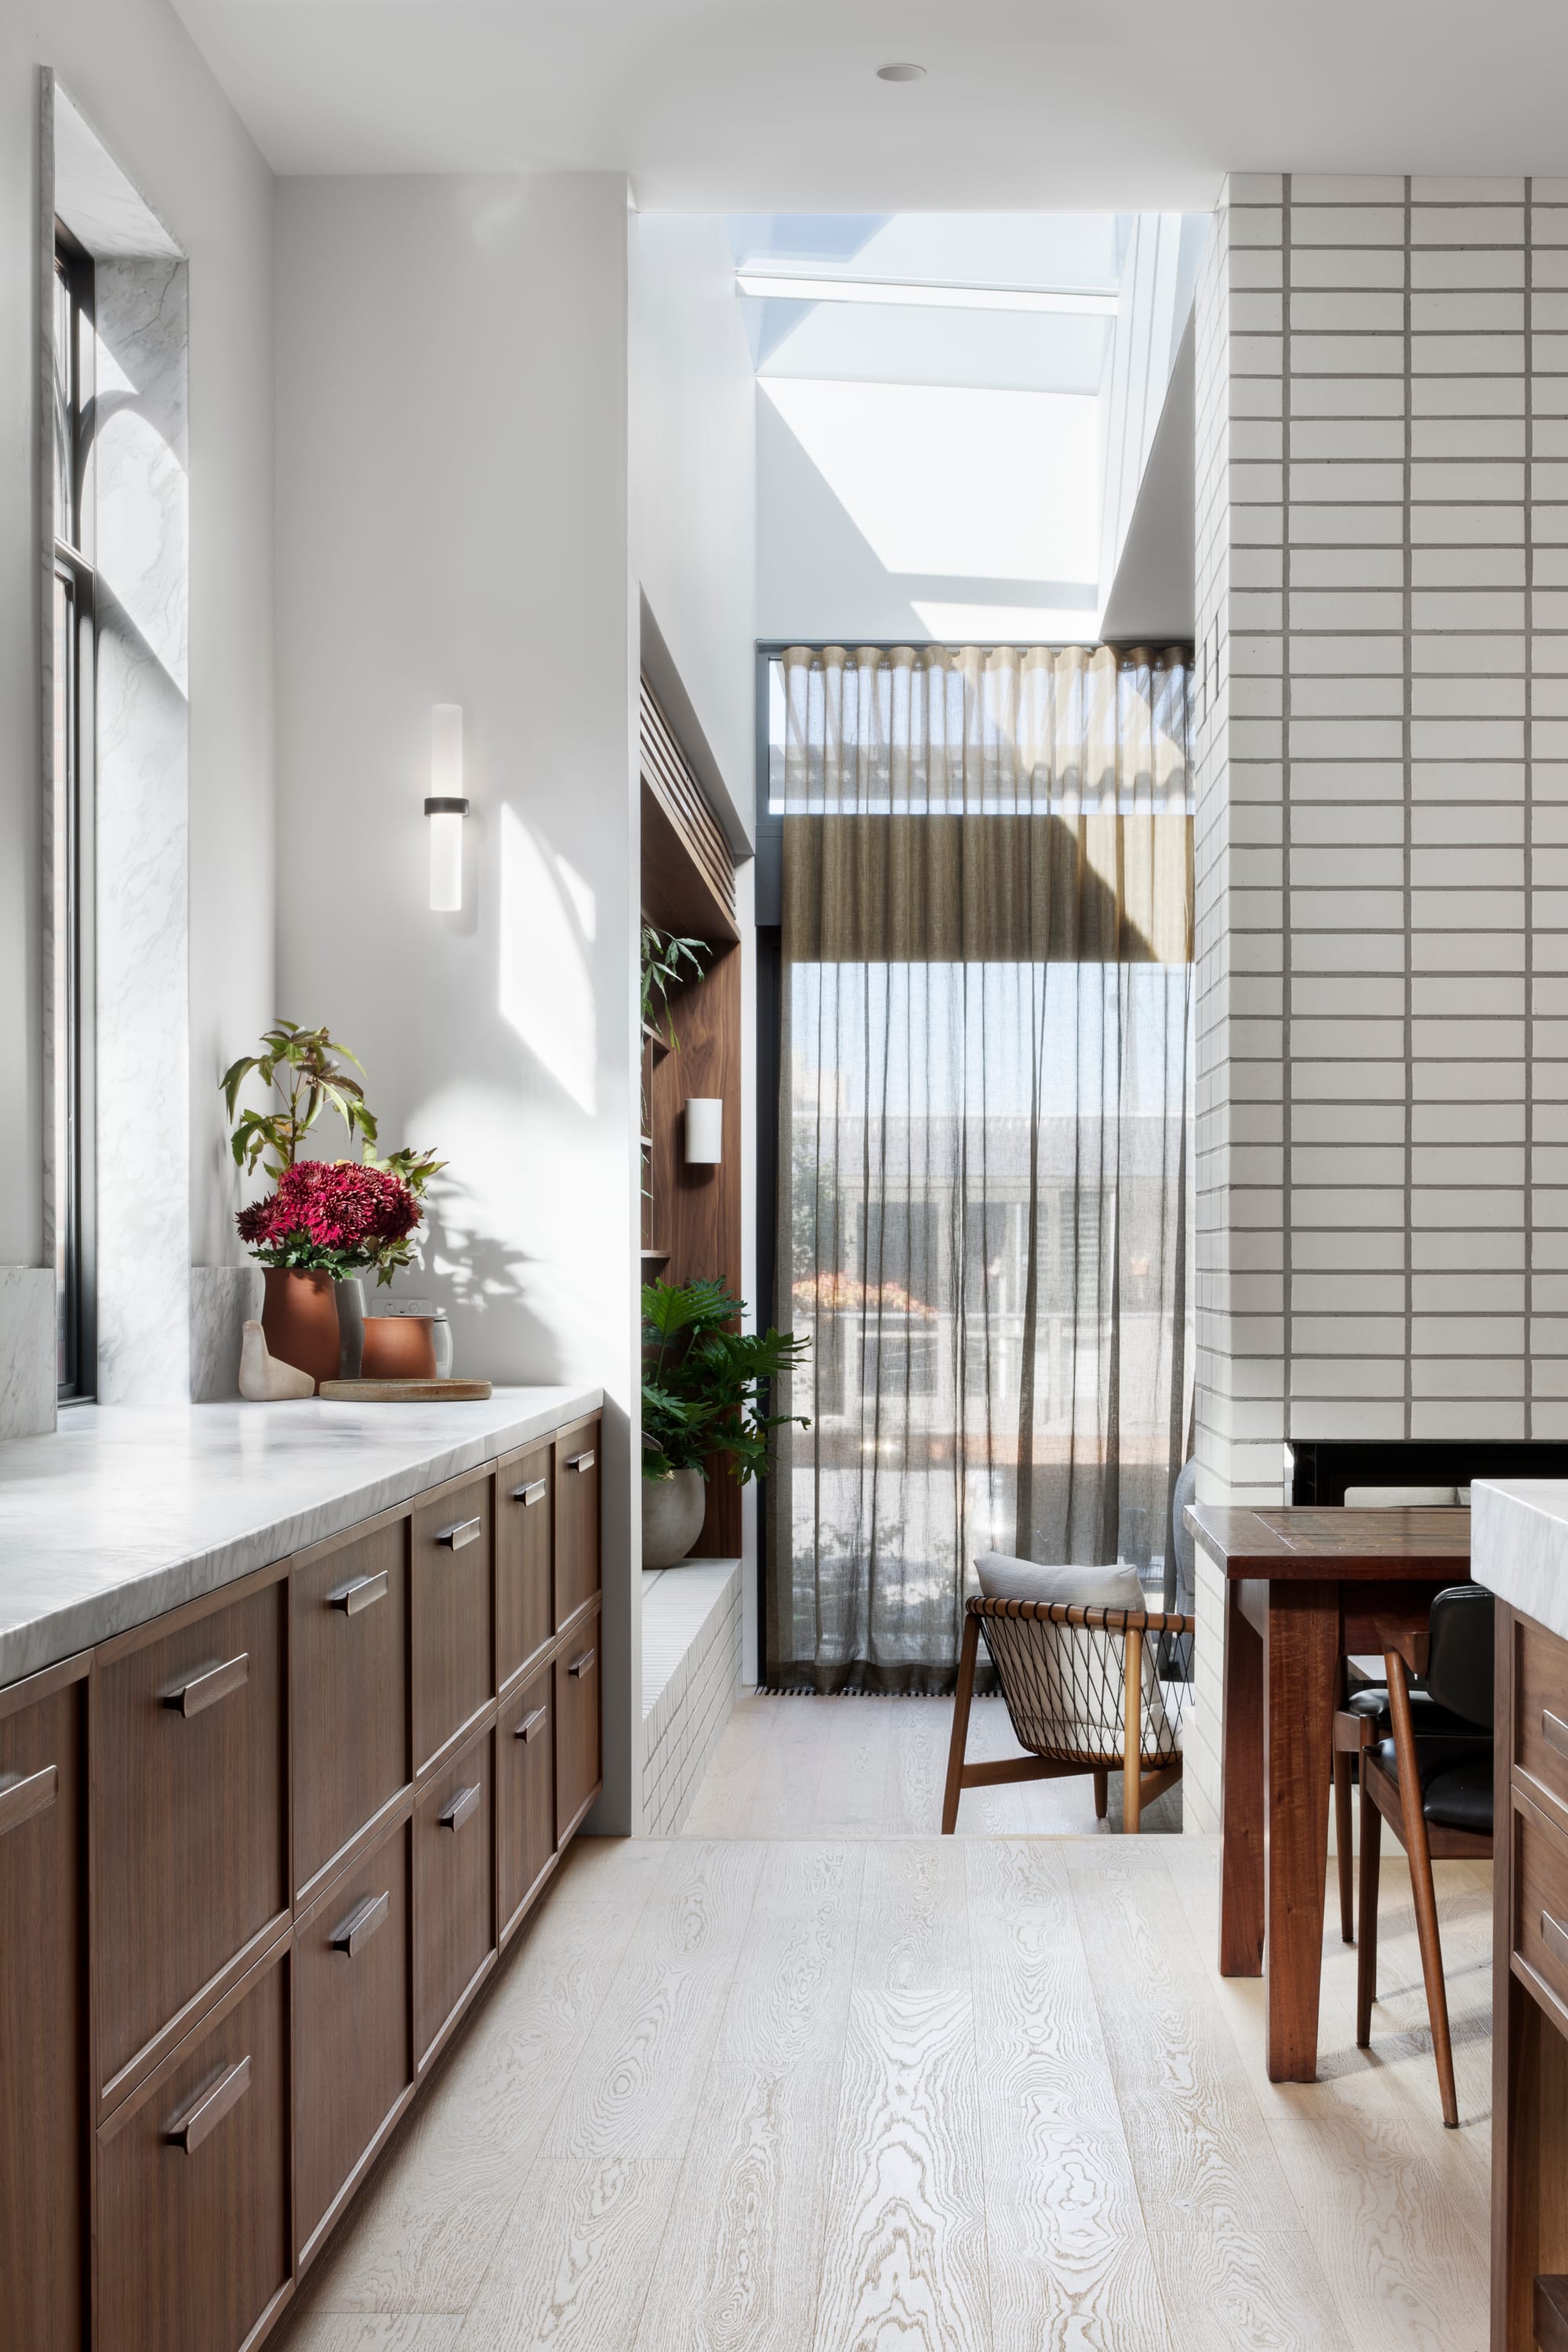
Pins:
x,y
452,527
131,67
693,487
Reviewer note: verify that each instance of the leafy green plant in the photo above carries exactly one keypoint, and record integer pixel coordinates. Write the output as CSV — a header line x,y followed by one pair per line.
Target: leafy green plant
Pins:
x,y
301,1065
702,1380
667,962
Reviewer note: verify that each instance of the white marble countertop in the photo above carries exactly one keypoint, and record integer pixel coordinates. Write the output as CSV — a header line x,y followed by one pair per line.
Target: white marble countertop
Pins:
x,y
121,1513
1519,1545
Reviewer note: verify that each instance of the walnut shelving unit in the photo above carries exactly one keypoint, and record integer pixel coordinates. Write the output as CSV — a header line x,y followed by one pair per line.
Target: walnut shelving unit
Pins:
x,y
691,1216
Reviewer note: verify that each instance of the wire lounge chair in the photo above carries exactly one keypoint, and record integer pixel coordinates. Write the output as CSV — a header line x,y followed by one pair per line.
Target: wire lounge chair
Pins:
x,y
1085,1693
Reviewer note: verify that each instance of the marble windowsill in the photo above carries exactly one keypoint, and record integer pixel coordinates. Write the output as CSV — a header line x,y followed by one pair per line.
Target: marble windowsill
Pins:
x,y
123,1512
1519,1545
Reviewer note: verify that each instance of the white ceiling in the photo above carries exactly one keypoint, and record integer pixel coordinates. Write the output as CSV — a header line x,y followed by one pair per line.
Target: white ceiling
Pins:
x,y
716,105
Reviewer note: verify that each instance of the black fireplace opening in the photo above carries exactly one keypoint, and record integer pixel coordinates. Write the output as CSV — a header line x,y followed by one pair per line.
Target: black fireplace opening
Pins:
x,y
1319,1469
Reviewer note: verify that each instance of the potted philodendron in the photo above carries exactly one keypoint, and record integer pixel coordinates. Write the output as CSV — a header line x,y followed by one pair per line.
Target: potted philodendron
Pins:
x,y
327,1221
701,1379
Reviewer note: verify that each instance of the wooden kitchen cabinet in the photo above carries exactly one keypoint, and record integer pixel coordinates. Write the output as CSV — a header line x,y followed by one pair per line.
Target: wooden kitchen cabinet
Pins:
x,y
349,1640
256,1856
44,2087
190,1817
193,2239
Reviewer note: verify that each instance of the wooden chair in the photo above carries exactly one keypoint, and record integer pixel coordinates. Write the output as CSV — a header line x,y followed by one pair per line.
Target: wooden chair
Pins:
x,y
1434,1790
1373,1700
1083,1693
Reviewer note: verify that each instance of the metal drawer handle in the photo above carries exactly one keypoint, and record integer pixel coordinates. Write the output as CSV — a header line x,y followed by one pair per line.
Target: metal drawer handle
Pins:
x,y
207,2112
362,1593
20,1799
581,1462
362,1924
462,1532
463,1804
205,1690
1555,1936
1554,1731
581,1665
532,1725
528,1496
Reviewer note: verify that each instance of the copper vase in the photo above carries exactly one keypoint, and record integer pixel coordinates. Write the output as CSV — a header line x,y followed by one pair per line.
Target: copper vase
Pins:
x,y
398,1347
300,1320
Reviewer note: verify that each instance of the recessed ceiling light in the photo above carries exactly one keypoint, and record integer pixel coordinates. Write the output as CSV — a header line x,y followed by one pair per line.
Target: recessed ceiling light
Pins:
x,y
900,73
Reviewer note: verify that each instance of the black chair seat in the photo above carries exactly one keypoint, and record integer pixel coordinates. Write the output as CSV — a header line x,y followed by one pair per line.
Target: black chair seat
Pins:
x,y
1371,1700
1456,1779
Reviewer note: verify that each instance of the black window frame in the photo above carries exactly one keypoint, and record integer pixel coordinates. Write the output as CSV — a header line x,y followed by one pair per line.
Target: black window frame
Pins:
x,y
73,605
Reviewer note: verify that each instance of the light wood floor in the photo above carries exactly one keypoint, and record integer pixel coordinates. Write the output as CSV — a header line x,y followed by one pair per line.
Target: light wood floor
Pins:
x,y
813,2080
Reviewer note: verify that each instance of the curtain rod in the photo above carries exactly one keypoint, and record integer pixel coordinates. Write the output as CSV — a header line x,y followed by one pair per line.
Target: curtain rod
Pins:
x,y
771,646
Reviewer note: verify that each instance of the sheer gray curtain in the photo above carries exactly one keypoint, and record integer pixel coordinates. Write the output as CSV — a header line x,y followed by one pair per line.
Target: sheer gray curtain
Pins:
x,y
984,1172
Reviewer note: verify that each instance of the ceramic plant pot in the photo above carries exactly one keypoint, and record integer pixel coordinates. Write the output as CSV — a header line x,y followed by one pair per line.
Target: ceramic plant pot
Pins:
x,y
300,1320
398,1347
673,1510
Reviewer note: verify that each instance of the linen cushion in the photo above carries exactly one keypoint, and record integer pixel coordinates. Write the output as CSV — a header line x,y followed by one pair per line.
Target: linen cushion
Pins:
x,y
1002,1578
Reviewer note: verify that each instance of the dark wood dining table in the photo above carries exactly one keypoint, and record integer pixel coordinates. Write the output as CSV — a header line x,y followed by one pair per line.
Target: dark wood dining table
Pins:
x,y
1305,1588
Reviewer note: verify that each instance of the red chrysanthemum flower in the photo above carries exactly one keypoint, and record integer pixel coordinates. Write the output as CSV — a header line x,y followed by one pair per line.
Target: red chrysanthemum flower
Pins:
x,y
334,1206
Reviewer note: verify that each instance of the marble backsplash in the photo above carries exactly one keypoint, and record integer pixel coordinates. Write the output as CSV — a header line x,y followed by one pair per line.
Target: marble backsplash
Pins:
x,y
222,1296
26,1350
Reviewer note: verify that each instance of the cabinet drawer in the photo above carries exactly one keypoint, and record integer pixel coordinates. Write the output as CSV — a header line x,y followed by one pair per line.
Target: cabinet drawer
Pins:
x,y
352,2060
192,2241
189,1812
525,1791
525,1515
350,1662
454,1893
451,1558
1540,1901
576,1520
576,1727
43,2014
1540,1706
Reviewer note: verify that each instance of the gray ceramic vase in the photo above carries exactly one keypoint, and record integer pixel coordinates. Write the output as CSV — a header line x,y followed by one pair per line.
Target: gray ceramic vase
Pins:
x,y
672,1514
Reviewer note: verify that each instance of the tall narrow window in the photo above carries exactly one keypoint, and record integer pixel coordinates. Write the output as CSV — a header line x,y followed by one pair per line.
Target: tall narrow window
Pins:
x,y
71,966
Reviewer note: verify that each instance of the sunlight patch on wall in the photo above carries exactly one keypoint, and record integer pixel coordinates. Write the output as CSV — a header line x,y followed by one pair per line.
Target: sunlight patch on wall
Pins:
x,y
546,990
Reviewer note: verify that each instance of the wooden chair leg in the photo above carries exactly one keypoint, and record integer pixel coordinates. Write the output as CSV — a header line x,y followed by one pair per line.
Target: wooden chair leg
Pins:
x,y
1102,1792
962,1696
1132,1734
1419,1852
1366,1957
1342,1844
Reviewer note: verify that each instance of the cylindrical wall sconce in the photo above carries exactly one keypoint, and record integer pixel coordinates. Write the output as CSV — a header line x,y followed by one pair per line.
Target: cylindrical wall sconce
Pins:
x,y
446,808
704,1130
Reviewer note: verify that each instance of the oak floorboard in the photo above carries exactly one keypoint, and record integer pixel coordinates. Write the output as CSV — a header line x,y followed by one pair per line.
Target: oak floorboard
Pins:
x,y
914,1927
1228,2290
738,2266
636,2087
1031,1979
369,2331
918,1774
904,2264
852,1794
571,2271
1409,2273
720,1807
1201,2153
790,1768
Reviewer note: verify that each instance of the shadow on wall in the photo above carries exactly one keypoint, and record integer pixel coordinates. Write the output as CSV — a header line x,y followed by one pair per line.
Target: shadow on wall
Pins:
x,y
823,579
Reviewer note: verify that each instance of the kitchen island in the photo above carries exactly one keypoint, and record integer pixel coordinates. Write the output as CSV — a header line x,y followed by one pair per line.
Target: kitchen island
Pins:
x,y
1520,1549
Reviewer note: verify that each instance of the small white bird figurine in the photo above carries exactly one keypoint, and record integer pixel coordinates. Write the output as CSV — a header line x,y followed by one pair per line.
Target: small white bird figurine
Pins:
x,y
264,1378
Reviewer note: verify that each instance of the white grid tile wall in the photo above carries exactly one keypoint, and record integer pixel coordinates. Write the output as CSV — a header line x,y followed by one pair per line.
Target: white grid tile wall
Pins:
x,y
1381,840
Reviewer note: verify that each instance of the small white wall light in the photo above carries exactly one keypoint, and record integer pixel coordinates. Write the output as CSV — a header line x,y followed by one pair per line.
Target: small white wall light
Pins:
x,y
704,1130
446,808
